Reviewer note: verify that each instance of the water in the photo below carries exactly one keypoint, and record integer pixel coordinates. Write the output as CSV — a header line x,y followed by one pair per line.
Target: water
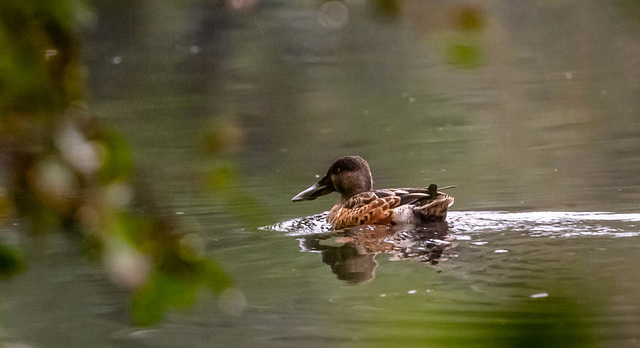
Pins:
x,y
540,133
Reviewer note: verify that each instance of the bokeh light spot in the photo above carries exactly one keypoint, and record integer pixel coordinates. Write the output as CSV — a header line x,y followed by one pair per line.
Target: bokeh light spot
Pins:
x,y
333,15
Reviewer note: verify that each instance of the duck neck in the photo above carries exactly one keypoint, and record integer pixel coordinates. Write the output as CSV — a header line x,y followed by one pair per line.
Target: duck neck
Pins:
x,y
351,191
350,184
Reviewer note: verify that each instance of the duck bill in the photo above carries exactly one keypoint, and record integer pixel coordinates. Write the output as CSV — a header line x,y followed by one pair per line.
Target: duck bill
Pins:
x,y
321,188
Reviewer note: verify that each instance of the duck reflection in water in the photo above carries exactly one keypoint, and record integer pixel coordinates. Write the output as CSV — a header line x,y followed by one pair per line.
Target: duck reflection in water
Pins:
x,y
352,257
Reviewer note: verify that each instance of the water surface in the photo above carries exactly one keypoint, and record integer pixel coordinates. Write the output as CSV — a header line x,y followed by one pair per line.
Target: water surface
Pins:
x,y
540,132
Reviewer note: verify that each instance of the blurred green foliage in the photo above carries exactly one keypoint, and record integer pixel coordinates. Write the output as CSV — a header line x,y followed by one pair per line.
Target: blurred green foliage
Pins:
x,y
39,66
117,161
67,173
164,290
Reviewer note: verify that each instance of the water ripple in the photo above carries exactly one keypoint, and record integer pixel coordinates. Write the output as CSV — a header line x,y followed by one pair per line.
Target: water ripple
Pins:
x,y
313,224
536,224
546,224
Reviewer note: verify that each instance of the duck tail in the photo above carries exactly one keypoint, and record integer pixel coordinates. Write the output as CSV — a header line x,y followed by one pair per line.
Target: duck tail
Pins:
x,y
435,210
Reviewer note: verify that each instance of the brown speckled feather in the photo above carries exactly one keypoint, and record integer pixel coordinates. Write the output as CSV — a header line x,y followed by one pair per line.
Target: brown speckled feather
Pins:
x,y
377,207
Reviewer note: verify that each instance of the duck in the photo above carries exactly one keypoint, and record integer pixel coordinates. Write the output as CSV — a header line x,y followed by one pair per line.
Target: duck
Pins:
x,y
360,204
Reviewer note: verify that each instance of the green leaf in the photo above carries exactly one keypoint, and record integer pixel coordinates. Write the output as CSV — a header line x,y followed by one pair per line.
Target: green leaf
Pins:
x,y
147,304
161,292
11,262
118,161
215,277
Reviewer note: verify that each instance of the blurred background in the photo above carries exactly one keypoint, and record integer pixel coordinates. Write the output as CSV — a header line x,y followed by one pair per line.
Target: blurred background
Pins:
x,y
158,137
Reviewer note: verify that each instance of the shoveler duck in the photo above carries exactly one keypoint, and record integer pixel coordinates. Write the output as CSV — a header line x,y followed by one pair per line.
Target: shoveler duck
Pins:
x,y
360,204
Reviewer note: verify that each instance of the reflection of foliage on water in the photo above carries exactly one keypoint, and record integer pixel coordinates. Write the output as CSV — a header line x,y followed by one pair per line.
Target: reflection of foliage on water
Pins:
x,y
548,322
225,136
463,48
387,7
67,173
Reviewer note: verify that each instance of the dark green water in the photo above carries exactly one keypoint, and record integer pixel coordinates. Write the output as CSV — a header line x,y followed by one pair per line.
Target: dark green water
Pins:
x,y
534,114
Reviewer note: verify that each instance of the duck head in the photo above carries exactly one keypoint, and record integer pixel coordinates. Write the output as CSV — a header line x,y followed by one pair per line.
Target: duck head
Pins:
x,y
347,175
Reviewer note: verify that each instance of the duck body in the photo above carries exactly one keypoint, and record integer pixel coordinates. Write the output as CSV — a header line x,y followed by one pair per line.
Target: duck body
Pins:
x,y
360,204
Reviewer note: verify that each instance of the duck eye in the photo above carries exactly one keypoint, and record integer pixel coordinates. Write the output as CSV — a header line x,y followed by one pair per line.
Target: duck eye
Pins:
x,y
336,170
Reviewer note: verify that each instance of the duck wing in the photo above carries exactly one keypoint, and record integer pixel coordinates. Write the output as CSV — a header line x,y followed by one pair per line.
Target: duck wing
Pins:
x,y
374,207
